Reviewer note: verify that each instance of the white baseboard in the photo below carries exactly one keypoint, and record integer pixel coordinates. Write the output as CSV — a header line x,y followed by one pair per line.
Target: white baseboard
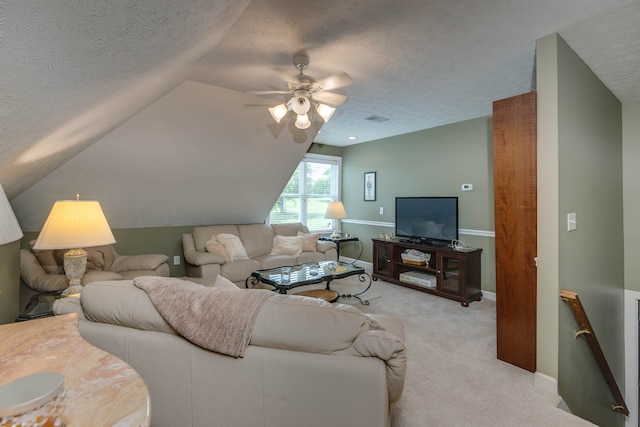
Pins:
x,y
491,296
545,383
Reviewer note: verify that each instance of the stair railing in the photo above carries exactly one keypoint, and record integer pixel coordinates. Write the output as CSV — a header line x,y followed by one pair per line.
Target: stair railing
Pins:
x,y
587,331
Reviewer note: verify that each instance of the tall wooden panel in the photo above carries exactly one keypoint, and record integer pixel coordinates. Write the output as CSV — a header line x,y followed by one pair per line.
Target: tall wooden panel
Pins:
x,y
515,194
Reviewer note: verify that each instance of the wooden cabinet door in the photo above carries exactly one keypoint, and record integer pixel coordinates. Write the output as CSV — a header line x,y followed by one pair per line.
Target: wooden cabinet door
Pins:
x,y
515,198
382,257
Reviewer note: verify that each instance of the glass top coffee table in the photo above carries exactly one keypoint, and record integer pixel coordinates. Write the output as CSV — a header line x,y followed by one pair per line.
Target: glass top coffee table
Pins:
x,y
310,274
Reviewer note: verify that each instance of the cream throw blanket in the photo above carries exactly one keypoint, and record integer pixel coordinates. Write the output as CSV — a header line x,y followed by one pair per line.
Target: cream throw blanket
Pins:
x,y
217,319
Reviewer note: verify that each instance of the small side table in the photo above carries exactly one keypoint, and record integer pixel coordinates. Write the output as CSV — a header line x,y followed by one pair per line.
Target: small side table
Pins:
x,y
39,306
339,241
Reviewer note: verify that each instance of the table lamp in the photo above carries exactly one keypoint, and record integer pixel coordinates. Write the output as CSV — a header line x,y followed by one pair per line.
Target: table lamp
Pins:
x,y
73,225
335,211
9,228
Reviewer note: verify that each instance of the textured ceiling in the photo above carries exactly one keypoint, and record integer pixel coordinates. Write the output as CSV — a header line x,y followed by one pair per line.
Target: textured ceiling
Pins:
x,y
71,71
422,63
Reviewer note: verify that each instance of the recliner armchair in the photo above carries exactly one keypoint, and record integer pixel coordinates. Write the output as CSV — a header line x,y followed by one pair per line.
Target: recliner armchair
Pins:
x,y
43,272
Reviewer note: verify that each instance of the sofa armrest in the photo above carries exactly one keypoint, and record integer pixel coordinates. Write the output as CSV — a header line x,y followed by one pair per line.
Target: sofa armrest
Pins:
x,y
35,277
68,305
138,262
195,257
203,258
325,245
388,347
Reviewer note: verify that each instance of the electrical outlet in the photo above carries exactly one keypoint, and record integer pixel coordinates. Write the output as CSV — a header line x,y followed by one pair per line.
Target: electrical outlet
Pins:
x,y
381,210
176,260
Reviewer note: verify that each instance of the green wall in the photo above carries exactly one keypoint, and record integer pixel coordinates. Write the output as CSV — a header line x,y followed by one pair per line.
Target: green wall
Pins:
x,y
631,178
588,173
151,240
9,281
432,162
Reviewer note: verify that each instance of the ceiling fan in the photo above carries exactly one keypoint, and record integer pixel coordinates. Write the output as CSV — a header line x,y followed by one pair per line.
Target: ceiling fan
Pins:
x,y
305,91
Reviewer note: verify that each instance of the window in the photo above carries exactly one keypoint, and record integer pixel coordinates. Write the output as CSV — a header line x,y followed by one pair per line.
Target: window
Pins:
x,y
315,183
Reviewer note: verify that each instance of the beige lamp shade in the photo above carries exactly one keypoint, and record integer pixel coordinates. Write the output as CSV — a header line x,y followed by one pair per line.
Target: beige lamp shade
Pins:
x,y
335,210
75,224
9,228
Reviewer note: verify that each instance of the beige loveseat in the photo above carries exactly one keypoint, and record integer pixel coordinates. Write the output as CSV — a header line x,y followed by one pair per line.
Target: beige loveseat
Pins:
x,y
308,363
43,272
258,242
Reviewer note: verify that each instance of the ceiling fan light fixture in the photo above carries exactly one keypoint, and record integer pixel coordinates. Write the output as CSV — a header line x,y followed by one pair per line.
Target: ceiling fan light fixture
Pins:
x,y
325,111
303,122
278,112
300,104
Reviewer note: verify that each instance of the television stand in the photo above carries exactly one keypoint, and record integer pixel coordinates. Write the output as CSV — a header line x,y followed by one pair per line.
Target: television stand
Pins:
x,y
449,273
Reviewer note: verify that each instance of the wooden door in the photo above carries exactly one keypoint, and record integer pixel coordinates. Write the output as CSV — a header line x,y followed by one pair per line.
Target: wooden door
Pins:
x,y
515,198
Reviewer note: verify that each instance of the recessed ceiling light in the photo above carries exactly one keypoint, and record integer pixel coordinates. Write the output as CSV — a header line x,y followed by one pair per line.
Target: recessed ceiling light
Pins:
x,y
352,138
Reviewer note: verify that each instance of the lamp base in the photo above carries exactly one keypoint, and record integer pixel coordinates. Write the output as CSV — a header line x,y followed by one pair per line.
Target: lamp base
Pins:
x,y
75,264
336,234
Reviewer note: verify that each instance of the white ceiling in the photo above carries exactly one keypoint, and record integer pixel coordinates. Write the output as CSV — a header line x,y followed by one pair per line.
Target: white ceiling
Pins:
x,y
422,63
70,71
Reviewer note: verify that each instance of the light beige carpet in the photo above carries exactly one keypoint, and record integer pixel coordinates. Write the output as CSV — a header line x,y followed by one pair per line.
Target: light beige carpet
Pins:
x,y
453,375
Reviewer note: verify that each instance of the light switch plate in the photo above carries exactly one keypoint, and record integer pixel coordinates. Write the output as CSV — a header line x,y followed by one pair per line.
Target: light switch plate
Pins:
x,y
572,222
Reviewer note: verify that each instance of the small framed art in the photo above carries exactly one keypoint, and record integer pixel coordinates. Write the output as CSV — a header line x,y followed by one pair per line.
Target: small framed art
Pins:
x,y
369,186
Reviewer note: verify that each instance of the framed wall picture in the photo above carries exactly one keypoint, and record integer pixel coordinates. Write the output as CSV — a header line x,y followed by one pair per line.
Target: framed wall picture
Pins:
x,y
369,186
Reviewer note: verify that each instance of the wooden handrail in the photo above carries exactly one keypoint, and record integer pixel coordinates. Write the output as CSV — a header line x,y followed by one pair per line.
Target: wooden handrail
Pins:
x,y
587,331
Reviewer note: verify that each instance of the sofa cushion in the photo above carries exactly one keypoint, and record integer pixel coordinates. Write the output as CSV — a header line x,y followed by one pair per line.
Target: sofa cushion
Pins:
x,y
305,257
287,245
99,276
257,238
273,261
233,245
203,234
289,229
309,241
138,262
239,270
307,324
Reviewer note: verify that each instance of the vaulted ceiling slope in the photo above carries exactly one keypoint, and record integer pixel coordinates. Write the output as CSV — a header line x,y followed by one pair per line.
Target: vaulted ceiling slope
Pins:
x,y
70,72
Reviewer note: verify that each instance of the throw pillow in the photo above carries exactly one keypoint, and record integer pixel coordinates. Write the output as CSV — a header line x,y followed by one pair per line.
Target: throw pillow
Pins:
x,y
223,282
309,242
216,247
95,260
233,245
287,245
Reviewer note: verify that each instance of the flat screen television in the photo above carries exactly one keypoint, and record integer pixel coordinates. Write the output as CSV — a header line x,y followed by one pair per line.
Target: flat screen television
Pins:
x,y
428,220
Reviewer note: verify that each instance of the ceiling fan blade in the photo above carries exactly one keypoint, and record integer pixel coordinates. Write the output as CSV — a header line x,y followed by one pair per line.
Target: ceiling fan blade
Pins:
x,y
329,98
286,76
335,81
268,92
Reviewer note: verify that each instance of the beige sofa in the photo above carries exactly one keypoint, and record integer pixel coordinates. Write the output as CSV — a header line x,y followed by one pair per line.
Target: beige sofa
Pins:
x,y
308,363
42,271
258,241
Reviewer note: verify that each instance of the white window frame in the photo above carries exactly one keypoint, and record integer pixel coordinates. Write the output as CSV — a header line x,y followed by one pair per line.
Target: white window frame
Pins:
x,y
336,181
